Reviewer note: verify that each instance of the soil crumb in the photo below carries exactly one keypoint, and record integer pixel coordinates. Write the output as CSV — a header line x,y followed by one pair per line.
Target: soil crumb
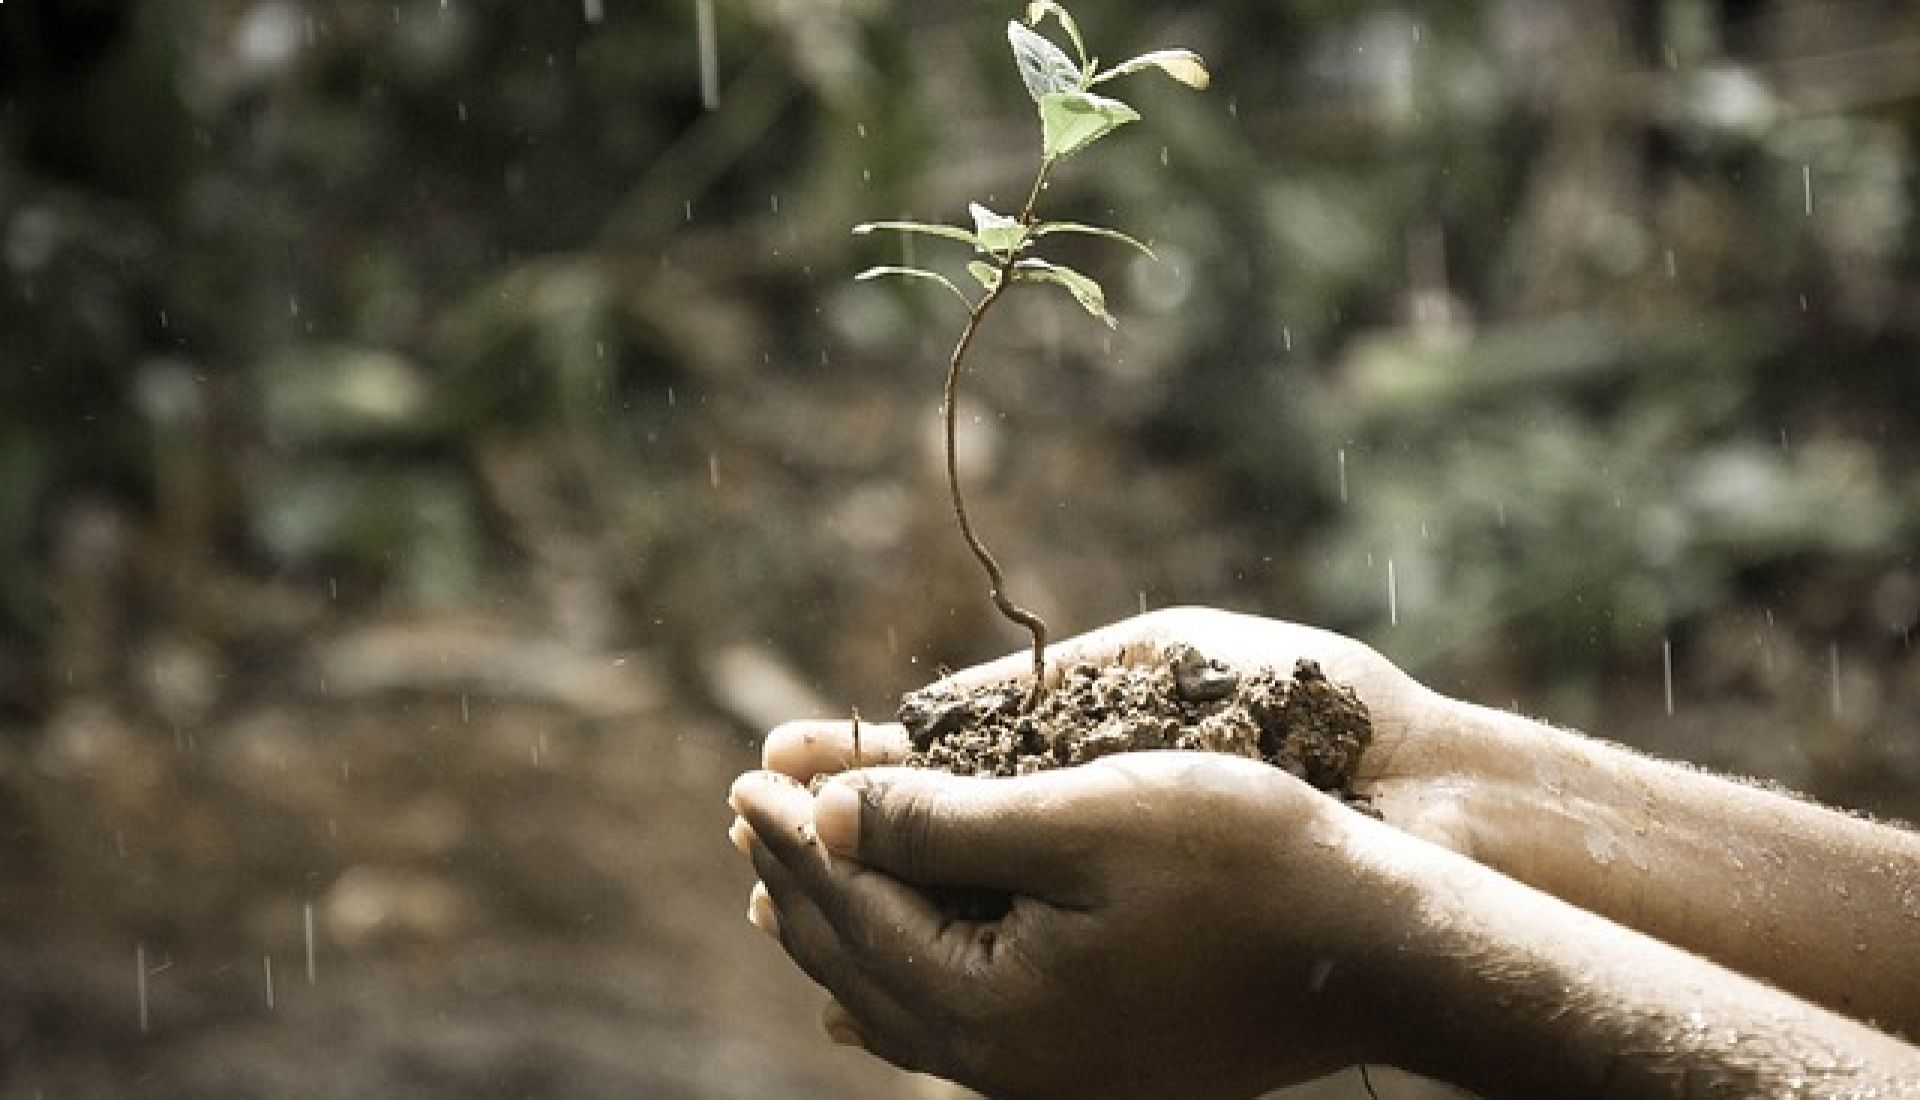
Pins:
x,y
1303,723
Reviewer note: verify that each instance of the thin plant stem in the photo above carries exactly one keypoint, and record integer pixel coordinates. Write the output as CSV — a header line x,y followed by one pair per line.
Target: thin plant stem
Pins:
x,y
996,577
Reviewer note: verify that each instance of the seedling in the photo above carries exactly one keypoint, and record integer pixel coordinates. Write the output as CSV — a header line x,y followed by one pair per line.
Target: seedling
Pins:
x,y
1072,117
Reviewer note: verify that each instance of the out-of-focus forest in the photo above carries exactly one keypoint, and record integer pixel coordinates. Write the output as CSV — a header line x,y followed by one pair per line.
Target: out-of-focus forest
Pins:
x,y
437,437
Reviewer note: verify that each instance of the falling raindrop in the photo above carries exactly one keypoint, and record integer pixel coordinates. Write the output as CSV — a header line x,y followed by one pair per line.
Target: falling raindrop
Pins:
x,y
774,202
1342,456
461,109
1806,188
140,982
1393,596
306,919
1666,671
689,211
1142,594
1164,156
595,10
713,469
266,970
1673,265
1833,669
1286,337
709,55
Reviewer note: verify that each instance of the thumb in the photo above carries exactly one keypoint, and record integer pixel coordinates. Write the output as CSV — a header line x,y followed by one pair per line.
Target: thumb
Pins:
x,y
1035,835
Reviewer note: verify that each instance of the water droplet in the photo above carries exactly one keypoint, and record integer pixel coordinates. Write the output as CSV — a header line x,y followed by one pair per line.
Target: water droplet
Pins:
x,y
306,920
1666,671
709,55
594,10
1833,667
140,982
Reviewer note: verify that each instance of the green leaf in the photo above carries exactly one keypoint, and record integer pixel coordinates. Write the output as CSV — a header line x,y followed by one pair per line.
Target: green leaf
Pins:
x,y
1045,228
1084,290
1040,9
1182,65
1071,121
987,275
915,273
1044,67
996,233
952,232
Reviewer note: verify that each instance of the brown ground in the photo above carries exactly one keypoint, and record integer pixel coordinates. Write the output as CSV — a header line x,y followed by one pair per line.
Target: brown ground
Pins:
x,y
1304,724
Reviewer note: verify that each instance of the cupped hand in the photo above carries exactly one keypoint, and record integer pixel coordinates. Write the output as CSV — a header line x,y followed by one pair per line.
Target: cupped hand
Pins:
x,y
1404,770
1179,924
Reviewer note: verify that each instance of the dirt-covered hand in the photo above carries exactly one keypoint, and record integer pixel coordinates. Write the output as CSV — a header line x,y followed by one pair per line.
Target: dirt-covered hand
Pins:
x,y
1168,924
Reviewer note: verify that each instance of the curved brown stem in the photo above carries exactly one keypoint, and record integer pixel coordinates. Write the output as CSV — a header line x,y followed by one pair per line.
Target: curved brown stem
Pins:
x,y
996,578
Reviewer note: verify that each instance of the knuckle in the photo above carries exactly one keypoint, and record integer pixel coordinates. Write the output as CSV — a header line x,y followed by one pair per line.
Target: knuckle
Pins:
x,y
912,821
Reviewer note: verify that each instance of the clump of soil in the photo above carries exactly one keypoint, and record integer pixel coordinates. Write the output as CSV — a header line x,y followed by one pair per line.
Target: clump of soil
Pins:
x,y
1304,724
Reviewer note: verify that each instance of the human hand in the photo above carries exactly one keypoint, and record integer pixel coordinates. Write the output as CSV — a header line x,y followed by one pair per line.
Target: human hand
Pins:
x,y
1180,924
1406,771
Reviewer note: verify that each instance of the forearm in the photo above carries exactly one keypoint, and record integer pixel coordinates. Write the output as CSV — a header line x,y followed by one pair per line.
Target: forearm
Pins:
x,y
1825,905
1516,993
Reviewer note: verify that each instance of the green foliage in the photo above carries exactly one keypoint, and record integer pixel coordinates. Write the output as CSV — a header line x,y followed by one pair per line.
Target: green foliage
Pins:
x,y
1071,119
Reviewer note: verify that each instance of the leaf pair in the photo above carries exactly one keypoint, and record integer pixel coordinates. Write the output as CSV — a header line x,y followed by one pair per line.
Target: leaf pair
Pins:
x,y
1072,117
996,234
1002,239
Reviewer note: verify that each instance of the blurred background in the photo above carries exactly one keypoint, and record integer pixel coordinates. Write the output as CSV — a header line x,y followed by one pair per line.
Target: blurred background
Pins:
x,y
437,438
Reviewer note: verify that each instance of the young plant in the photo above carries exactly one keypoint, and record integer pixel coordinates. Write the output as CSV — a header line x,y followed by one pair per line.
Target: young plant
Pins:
x,y
1072,117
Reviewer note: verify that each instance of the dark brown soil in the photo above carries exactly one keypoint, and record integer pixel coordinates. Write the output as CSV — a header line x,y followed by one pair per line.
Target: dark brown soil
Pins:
x,y
1304,724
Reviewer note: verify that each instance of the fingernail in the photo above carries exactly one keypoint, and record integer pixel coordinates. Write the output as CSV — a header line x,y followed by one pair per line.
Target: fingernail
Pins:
x,y
836,817
741,834
760,911
843,1035
745,783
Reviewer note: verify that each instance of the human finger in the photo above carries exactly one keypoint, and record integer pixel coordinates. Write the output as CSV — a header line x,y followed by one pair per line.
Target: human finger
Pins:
x,y
760,910
1032,835
876,945
803,750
